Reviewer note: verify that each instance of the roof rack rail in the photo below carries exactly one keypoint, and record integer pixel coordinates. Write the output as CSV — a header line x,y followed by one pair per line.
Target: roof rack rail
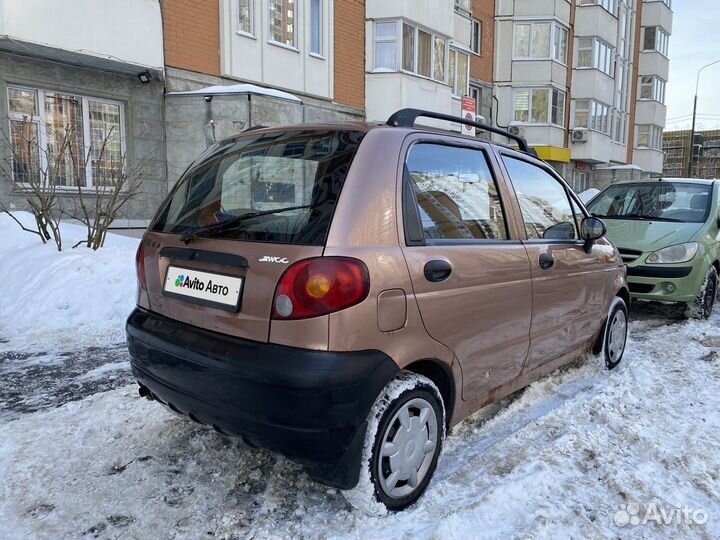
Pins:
x,y
407,117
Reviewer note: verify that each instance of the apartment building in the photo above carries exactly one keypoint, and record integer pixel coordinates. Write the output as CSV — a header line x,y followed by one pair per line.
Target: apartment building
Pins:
x,y
705,154
428,55
232,64
93,70
584,82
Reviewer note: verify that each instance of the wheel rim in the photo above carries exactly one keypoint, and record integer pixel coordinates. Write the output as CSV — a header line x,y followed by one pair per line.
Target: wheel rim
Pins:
x,y
617,335
408,446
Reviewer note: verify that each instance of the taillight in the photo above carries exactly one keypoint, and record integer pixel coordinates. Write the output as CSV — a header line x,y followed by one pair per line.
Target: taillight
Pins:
x,y
140,267
319,286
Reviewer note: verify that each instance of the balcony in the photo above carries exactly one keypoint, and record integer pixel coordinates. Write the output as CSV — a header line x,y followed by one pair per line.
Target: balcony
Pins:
x,y
592,84
650,112
597,149
435,15
385,93
649,159
595,20
654,63
657,14
106,34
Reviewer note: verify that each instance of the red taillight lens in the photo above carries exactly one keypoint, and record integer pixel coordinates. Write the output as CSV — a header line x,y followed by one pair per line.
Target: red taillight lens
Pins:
x,y
320,286
140,267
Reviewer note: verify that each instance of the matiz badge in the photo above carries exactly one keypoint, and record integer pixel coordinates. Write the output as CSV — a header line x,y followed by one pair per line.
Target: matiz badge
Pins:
x,y
269,259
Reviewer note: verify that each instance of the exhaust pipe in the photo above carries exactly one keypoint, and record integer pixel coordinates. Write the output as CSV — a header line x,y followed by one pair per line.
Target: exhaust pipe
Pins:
x,y
145,392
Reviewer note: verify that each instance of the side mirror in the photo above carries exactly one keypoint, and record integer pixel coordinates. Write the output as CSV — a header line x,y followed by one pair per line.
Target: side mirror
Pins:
x,y
592,229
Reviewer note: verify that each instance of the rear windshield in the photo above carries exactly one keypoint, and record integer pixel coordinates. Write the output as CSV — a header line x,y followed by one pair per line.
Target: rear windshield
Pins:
x,y
291,179
659,201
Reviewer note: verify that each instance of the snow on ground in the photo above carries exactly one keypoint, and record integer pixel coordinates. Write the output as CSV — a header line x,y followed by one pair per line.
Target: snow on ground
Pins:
x,y
78,297
82,456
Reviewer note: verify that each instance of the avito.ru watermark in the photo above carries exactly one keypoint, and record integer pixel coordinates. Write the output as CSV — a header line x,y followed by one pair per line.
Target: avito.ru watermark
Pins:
x,y
633,514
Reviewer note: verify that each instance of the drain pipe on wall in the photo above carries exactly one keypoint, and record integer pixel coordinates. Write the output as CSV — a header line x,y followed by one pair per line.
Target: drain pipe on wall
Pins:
x,y
209,123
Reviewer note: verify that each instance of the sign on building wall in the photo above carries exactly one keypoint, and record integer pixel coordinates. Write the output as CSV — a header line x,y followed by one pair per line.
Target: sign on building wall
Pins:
x,y
469,106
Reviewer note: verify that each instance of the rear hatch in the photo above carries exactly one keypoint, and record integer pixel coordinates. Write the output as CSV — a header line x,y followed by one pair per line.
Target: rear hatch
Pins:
x,y
237,219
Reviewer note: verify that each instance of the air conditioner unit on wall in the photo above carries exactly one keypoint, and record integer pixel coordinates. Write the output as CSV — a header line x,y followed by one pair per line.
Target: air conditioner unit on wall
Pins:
x,y
516,129
579,135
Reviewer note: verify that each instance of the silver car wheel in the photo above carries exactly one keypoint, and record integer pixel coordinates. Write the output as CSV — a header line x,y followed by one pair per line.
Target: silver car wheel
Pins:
x,y
409,444
617,336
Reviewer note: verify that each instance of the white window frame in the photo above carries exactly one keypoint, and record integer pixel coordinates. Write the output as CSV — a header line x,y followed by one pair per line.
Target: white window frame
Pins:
x,y
251,19
656,87
551,93
397,39
608,5
41,120
320,29
598,115
602,55
661,41
271,40
453,54
654,136
580,181
387,39
555,28
476,36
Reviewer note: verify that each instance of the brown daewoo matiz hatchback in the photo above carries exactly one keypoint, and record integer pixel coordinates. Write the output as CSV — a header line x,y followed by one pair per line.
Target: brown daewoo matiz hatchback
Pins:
x,y
344,294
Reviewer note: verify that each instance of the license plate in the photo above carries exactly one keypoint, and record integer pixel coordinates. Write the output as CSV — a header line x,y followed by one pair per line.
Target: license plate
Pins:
x,y
204,288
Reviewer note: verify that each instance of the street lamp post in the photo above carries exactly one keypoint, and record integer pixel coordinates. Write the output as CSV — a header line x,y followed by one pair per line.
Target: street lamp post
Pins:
x,y
692,131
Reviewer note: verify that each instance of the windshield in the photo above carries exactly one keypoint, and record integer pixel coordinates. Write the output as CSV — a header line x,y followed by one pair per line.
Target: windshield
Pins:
x,y
284,184
659,201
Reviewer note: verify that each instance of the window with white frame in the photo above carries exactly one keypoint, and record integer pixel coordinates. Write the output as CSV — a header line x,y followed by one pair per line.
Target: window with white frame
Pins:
x,y
653,88
580,181
316,26
386,45
649,136
421,51
620,126
609,5
78,140
245,16
540,40
593,115
539,106
476,92
668,3
656,39
476,36
282,22
459,72
593,53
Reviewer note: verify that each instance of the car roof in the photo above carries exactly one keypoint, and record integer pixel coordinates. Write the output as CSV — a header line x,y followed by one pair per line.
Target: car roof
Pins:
x,y
366,127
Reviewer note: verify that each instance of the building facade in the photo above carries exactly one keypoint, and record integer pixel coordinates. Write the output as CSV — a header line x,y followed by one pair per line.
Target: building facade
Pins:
x,y
584,82
75,71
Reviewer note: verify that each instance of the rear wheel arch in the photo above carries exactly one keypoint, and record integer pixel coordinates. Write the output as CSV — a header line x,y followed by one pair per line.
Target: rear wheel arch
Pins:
x,y
441,375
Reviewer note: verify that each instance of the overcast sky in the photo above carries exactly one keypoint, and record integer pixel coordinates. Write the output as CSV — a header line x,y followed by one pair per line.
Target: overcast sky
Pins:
x,y
695,41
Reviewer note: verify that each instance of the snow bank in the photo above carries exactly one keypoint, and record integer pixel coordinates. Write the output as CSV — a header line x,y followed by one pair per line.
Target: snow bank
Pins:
x,y
587,195
51,299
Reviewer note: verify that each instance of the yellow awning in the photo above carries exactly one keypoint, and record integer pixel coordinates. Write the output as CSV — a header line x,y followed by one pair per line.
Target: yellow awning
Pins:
x,y
553,153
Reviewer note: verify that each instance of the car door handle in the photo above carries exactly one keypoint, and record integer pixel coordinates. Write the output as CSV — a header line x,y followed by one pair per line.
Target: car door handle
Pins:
x,y
437,270
546,261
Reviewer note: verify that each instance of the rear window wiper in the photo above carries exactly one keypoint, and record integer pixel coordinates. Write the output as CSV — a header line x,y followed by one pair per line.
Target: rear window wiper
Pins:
x,y
211,230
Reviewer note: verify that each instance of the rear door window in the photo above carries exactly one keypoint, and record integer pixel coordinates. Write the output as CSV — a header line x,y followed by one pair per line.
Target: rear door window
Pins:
x,y
456,194
544,202
283,186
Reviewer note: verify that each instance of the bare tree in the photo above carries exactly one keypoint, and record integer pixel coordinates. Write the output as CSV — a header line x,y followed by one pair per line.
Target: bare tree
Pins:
x,y
37,172
115,184
32,171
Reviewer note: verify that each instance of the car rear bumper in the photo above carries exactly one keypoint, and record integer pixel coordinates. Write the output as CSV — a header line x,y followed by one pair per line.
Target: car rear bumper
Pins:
x,y
310,406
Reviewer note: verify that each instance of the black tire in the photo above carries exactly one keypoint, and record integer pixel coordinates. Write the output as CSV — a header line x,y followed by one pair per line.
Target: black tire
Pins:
x,y
702,306
615,335
403,392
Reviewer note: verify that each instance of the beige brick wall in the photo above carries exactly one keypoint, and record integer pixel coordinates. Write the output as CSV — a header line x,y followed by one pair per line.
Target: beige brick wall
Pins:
x,y
192,35
349,68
